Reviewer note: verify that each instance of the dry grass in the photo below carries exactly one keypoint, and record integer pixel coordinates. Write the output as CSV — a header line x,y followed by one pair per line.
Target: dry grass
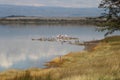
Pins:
x,y
102,63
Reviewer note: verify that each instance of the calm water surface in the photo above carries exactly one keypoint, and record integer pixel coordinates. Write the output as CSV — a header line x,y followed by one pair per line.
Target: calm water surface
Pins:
x,y
18,51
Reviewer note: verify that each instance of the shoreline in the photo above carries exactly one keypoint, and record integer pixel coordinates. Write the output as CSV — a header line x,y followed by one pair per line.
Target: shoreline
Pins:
x,y
52,20
89,45
56,62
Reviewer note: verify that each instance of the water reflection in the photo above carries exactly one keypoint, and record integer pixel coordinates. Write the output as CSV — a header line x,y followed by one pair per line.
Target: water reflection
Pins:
x,y
22,54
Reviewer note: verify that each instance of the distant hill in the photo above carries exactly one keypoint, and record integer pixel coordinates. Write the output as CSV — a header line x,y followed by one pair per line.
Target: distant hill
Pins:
x,y
8,10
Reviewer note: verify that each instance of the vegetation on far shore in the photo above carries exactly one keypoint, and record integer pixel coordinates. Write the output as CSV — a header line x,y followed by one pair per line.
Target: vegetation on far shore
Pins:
x,y
101,63
52,20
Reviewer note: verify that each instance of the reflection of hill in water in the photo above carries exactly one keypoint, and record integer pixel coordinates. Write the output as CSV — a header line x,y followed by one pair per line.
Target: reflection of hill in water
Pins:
x,y
7,10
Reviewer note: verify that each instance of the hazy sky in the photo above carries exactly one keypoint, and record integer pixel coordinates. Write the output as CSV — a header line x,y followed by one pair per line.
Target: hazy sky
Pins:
x,y
61,3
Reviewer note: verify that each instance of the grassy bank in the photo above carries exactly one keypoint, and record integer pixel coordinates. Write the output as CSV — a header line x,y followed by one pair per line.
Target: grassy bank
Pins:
x,y
100,63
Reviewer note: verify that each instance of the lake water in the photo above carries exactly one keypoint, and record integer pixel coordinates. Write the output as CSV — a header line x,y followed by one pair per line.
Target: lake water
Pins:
x,y
18,51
